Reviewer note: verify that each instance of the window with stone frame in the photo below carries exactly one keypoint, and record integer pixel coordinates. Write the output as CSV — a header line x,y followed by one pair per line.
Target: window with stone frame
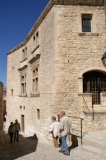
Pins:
x,y
23,84
86,23
23,75
24,53
35,67
36,39
35,80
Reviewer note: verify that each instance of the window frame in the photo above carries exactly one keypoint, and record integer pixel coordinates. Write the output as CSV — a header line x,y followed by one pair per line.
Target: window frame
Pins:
x,y
36,39
23,83
24,53
35,67
86,17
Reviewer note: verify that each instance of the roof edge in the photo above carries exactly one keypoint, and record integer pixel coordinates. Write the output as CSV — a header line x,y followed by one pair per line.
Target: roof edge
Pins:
x,y
48,8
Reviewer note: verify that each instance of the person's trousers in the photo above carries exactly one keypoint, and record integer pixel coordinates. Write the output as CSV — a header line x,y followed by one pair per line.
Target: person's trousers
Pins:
x,y
64,145
16,136
55,139
11,137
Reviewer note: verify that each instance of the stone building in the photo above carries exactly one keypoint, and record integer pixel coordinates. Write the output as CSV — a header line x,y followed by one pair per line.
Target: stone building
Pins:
x,y
1,113
59,67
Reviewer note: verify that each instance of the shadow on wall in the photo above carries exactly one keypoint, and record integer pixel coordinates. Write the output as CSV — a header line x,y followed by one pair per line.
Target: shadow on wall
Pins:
x,y
15,150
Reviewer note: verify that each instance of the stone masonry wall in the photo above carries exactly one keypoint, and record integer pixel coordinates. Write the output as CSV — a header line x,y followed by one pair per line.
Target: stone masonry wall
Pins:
x,y
64,54
77,52
27,106
95,121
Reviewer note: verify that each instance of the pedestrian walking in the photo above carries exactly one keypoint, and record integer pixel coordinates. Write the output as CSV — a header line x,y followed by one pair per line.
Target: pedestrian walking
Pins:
x,y
65,128
54,130
11,131
17,129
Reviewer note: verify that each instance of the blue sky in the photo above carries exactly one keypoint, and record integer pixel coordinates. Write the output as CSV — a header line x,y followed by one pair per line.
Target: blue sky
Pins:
x,y
17,17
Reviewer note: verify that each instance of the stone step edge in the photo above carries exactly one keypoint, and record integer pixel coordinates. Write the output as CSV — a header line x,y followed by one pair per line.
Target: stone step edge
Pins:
x,y
95,144
93,150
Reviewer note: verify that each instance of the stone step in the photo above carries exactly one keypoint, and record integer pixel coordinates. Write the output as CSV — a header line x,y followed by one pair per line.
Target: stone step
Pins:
x,y
94,142
94,150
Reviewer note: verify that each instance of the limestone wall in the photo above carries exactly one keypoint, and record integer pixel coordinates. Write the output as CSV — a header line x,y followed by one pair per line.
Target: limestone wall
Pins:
x,y
28,106
1,113
76,52
95,121
65,54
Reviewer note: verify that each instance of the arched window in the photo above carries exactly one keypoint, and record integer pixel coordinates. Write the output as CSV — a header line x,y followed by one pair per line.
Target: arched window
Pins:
x,y
94,82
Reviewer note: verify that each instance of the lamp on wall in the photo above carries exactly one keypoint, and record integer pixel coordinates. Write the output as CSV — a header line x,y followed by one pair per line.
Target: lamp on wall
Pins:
x,y
104,59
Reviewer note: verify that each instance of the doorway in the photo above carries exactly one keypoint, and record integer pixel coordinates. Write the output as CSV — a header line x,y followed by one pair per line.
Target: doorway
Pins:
x,y
22,123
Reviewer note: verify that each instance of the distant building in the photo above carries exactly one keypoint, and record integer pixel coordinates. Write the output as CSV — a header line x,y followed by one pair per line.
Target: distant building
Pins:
x,y
1,112
4,104
59,67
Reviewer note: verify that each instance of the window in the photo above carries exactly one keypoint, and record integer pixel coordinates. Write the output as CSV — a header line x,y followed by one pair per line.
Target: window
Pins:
x,y
11,91
35,80
35,69
38,113
33,38
36,39
94,82
23,84
86,22
24,53
20,107
23,76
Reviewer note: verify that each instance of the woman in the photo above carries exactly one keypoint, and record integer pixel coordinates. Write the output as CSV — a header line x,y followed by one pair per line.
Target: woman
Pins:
x,y
54,129
11,131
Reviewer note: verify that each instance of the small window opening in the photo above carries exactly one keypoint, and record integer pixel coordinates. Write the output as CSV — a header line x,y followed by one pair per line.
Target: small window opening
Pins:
x,y
38,113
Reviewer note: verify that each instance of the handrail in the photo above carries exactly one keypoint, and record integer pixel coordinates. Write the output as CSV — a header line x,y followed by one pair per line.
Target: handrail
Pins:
x,y
86,104
81,119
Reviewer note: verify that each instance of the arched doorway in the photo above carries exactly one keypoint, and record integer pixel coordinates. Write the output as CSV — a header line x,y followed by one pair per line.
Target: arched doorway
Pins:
x,y
94,82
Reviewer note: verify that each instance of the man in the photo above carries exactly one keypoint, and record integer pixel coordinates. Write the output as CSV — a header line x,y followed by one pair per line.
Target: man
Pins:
x,y
54,129
17,129
65,125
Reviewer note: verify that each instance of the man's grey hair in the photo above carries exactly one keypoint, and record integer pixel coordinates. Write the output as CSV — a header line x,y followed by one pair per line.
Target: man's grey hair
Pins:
x,y
63,112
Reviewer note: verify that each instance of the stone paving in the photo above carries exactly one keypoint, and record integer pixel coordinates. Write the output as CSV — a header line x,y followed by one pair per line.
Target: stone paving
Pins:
x,y
29,148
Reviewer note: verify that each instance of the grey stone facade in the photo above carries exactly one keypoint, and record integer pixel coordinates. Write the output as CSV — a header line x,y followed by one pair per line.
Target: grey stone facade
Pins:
x,y
1,113
61,53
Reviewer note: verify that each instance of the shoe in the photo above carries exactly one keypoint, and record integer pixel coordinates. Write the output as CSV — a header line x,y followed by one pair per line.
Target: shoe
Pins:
x,y
56,147
61,151
66,154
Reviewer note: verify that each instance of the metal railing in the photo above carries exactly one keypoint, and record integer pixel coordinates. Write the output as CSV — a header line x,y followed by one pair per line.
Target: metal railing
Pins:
x,y
77,127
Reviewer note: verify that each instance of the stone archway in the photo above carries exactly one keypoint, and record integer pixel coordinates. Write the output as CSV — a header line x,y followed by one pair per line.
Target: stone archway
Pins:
x,y
80,77
94,82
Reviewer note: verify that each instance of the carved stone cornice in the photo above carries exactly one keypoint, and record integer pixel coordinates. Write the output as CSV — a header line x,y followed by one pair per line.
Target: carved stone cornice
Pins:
x,y
34,58
35,49
23,68
78,2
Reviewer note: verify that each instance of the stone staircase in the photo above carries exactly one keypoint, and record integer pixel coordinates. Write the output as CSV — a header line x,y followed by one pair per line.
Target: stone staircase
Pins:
x,y
95,142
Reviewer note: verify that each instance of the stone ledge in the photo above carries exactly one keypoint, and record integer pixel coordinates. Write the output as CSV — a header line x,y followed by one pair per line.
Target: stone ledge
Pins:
x,y
35,95
91,113
35,49
88,34
24,95
84,94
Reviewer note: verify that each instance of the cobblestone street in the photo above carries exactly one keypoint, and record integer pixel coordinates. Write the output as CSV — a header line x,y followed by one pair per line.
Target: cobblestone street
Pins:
x,y
28,148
